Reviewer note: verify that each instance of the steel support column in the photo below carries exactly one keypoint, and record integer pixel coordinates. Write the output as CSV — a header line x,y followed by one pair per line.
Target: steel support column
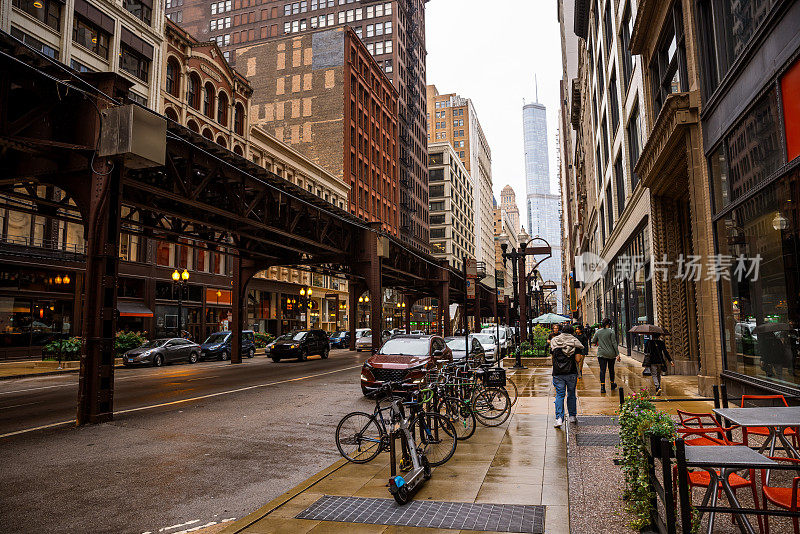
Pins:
x,y
354,291
96,382
243,271
478,319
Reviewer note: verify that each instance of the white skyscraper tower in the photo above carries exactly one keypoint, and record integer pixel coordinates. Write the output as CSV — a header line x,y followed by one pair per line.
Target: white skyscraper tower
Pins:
x,y
543,206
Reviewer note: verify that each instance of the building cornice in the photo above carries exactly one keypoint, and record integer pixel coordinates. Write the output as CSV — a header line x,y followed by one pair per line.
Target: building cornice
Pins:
x,y
643,27
680,111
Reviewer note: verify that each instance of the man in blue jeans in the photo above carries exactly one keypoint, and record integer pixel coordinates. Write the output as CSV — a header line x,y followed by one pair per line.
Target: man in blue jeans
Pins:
x,y
563,349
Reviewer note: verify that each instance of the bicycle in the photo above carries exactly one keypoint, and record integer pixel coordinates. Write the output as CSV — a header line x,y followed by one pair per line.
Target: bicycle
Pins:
x,y
360,437
490,405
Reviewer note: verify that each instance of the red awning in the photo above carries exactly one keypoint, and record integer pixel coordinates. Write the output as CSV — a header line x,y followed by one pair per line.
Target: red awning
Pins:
x,y
133,309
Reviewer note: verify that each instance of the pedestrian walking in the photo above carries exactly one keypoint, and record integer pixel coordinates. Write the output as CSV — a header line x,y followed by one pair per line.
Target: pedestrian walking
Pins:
x,y
607,355
580,333
555,330
564,349
656,357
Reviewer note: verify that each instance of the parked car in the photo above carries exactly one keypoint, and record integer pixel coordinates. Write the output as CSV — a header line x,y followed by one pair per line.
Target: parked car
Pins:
x,y
418,332
217,346
458,343
504,343
300,345
340,340
364,342
161,351
407,358
489,343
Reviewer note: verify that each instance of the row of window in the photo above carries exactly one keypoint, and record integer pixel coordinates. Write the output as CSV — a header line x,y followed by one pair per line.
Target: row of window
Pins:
x,y
379,10
220,24
379,48
220,7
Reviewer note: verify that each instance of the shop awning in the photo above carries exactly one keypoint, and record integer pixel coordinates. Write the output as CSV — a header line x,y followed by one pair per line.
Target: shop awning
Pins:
x,y
133,309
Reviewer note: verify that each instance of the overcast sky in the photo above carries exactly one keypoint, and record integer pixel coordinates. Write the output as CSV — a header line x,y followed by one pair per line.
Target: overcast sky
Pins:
x,y
489,51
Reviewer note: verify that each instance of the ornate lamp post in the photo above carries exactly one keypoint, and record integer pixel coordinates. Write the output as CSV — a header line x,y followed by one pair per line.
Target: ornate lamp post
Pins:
x,y
305,294
363,301
180,281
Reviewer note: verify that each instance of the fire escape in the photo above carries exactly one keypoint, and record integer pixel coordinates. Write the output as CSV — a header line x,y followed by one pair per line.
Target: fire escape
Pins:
x,y
407,144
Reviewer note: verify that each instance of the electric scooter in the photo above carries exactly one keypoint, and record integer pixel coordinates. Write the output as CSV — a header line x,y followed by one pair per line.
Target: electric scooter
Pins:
x,y
404,487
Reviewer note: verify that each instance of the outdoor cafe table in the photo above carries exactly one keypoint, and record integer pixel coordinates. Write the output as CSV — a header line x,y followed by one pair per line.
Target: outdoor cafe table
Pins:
x,y
775,418
729,459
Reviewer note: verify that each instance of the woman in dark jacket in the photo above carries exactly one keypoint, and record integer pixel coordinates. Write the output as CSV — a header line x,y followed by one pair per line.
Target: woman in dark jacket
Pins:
x,y
656,357
581,335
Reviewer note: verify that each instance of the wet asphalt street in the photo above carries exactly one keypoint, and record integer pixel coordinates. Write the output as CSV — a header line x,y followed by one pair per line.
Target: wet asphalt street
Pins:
x,y
189,444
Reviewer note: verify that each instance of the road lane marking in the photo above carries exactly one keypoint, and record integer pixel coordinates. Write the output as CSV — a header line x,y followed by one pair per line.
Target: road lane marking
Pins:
x,y
18,405
203,378
182,401
192,522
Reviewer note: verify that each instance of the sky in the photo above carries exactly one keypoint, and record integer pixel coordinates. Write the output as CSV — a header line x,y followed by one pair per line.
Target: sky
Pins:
x,y
489,51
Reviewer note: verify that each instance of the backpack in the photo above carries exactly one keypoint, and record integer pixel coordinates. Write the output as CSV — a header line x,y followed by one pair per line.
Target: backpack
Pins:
x,y
563,364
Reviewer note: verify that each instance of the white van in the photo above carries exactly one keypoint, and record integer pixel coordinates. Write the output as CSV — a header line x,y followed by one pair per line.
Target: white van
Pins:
x,y
505,337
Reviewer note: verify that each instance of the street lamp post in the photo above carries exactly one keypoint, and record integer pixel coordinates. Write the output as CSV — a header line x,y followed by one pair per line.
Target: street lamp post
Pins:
x,y
305,294
363,300
180,281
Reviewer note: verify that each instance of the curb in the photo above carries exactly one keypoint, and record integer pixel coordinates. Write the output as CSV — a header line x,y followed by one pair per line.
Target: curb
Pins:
x,y
277,502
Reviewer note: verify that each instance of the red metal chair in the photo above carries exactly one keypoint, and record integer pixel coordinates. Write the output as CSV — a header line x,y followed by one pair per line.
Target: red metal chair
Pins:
x,y
762,430
701,478
704,421
786,498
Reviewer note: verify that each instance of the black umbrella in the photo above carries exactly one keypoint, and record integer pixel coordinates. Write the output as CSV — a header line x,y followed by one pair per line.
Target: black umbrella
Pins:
x,y
648,329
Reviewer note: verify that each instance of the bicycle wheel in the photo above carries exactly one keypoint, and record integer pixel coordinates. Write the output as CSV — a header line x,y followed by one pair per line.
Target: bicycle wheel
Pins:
x,y
511,389
358,437
435,437
492,406
460,414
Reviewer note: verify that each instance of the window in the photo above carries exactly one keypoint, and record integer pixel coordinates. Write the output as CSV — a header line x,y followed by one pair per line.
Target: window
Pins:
x,y
608,28
175,16
613,102
134,63
602,225
35,43
238,119
388,47
599,166
47,11
668,68
726,28
139,99
209,93
604,135
370,30
80,67
620,183
437,206
625,42
175,3
90,36
222,109
194,91
139,9
634,143
173,74
610,208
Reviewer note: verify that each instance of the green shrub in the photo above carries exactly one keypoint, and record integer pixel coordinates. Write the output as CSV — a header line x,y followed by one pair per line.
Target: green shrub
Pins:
x,y
126,341
263,339
67,349
638,420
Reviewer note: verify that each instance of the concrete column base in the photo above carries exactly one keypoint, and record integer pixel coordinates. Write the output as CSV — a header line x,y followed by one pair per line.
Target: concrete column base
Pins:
x,y
704,383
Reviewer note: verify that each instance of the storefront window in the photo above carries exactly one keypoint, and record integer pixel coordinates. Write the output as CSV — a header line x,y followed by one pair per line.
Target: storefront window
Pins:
x,y
761,299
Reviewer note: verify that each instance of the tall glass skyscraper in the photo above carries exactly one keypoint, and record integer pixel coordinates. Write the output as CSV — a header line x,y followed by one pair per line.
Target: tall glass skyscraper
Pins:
x,y
544,219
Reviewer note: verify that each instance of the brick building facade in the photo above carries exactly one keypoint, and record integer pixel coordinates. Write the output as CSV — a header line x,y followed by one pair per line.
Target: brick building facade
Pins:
x,y
322,93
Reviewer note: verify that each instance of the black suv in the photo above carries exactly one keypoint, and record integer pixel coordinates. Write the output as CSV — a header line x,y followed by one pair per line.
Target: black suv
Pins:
x,y
300,345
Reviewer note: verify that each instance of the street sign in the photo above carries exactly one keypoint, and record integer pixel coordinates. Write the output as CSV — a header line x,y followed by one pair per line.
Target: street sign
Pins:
x,y
471,287
472,268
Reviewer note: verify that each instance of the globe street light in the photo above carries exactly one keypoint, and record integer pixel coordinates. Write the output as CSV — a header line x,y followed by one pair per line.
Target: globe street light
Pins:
x,y
180,280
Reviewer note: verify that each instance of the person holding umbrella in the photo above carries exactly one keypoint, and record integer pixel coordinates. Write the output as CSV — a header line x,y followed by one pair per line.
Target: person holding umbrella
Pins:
x,y
656,355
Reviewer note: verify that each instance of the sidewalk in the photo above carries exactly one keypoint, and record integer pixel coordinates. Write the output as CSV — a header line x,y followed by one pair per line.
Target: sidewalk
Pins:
x,y
525,461
29,368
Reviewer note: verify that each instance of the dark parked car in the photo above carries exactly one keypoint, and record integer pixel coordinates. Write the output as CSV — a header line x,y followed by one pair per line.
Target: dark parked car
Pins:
x,y
218,345
300,345
457,344
408,358
161,351
340,340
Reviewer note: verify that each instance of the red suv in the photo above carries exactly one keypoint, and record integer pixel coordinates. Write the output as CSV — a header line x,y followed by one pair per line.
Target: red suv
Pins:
x,y
406,358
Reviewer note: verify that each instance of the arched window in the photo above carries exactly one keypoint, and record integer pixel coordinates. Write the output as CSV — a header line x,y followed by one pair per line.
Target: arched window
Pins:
x,y
221,141
194,91
193,126
238,150
222,109
208,134
209,103
173,77
171,114
238,119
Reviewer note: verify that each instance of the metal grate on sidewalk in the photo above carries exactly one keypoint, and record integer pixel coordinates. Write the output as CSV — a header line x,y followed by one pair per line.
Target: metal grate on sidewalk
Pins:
x,y
597,440
430,514
597,420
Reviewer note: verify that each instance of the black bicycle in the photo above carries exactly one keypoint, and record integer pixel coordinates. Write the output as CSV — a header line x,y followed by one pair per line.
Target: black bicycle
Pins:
x,y
360,436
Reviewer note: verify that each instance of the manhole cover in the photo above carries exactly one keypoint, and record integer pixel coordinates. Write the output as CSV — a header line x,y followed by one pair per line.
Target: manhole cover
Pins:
x,y
430,514
597,420
597,440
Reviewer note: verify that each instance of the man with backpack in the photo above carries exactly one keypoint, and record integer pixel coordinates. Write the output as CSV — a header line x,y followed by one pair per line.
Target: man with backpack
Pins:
x,y
565,350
